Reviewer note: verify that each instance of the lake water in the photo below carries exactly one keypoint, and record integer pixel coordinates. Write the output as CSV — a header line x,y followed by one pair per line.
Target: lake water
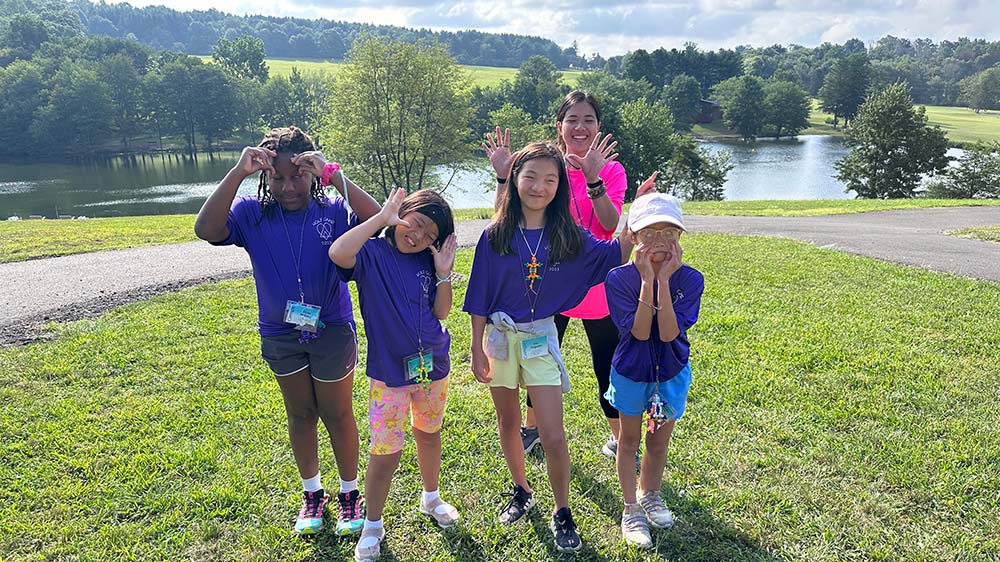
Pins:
x,y
150,185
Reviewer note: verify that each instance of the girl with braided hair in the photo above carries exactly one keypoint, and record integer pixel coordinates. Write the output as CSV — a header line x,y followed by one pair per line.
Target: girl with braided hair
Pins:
x,y
305,318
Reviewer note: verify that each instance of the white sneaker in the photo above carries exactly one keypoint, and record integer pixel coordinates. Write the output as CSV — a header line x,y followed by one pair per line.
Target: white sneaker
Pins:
x,y
444,513
658,514
635,527
369,546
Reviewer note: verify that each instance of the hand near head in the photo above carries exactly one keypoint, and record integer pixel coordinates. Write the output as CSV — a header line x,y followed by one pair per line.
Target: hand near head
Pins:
x,y
498,150
600,153
648,186
390,209
311,161
444,259
255,158
673,263
643,263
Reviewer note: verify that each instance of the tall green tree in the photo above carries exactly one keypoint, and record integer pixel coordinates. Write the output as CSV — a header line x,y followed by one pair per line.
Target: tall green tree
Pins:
x,y
397,110
742,99
537,87
683,97
125,88
977,175
523,129
892,147
242,57
786,108
22,93
982,91
845,87
79,113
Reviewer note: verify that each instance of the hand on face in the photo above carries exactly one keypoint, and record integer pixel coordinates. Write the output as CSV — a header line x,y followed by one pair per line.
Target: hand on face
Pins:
x,y
254,159
498,150
310,161
444,259
596,158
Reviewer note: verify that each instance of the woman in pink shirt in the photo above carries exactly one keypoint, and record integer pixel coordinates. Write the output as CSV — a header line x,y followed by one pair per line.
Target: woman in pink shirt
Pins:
x,y
597,191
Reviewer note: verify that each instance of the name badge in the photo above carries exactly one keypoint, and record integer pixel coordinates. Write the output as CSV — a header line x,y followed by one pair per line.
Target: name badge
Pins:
x,y
304,316
419,366
534,347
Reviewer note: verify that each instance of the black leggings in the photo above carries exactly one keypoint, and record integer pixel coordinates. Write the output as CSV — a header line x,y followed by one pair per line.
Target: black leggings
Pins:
x,y
603,337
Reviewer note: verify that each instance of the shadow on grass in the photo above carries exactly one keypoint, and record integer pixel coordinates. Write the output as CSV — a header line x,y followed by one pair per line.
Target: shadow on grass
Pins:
x,y
462,544
697,535
540,519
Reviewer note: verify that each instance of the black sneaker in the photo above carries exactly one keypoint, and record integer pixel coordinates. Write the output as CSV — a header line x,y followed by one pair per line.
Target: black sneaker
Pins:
x,y
521,501
529,438
564,530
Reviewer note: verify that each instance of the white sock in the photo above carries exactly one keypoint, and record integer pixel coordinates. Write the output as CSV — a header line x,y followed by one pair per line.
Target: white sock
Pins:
x,y
427,497
312,484
370,541
348,486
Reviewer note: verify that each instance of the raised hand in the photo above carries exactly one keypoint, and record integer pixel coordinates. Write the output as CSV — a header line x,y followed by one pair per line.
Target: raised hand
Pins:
x,y
311,161
390,209
444,259
498,150
598,156
648,186
254,159
643,262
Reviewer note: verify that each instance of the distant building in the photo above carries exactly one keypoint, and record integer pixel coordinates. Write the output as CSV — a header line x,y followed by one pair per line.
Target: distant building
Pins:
x,y
710,111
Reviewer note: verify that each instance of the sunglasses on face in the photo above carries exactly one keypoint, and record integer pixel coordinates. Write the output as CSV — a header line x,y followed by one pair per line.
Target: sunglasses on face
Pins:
x,y
649,235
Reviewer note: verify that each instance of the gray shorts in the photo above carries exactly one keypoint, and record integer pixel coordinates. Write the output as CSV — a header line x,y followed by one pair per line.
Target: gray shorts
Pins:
x,y
330,357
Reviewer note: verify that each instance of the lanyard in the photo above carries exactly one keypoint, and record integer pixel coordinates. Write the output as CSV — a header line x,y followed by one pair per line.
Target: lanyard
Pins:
x,y
533,266
296,258
419,316
579,215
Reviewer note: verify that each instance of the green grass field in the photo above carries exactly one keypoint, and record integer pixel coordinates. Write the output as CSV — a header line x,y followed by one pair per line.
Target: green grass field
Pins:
x,y
481,75
819,428
21,240
989,233
962,125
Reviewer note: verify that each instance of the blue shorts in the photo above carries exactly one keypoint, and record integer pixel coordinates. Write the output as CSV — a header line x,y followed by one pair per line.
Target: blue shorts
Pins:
x,y
632,398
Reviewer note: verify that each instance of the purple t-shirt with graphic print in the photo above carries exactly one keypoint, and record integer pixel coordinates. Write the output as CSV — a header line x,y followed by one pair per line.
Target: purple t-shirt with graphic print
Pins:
x,y
652,360
396,294
273,238
501,283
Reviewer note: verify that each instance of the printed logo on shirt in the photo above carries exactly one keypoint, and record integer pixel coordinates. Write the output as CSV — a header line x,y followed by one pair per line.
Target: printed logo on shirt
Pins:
x,y
426,282
324,227
678,296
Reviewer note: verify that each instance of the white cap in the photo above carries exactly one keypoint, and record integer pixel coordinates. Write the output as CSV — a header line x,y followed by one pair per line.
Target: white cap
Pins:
x,y
654,208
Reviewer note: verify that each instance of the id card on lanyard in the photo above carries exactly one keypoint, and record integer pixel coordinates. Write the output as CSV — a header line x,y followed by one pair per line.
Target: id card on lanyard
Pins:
x,y
304,316
537,346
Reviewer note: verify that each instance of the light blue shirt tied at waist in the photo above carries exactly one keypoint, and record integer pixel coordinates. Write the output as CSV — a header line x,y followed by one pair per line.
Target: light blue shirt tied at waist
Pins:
x,y
497,343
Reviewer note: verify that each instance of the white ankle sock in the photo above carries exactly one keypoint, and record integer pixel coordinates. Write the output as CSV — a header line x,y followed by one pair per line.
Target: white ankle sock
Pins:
x,y
427,497
370,541
312,484
348,486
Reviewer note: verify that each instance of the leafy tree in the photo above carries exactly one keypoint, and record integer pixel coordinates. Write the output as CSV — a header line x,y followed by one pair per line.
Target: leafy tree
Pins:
x,y
218,112
982,91
523,129
536,87
646,140
397,110
742,100
845,87
683,97
79,112
977,175
22,36
892,147
21,95
243,58
638,65
124,86
786,108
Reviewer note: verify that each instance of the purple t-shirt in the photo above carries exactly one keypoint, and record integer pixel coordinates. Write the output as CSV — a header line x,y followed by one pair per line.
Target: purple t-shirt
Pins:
x,y
652,360
273,250
396,293
498,283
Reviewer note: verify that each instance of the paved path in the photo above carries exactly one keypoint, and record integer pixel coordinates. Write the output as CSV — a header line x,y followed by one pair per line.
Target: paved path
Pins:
x,y
83,285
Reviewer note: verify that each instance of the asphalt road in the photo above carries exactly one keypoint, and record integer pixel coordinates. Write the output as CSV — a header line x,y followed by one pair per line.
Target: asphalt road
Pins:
x,y
84,285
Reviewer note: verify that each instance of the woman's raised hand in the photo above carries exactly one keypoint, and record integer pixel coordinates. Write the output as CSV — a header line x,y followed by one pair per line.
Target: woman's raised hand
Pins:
x,y
311,161
255,158
498,150
600,153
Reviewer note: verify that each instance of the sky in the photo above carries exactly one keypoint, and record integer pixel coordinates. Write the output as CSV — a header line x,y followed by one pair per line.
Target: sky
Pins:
x,y
614,27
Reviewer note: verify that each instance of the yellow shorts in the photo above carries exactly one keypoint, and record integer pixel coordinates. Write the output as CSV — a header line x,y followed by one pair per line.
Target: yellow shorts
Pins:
x,y
515,371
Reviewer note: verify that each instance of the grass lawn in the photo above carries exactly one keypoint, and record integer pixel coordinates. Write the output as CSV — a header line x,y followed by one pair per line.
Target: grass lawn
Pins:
x,y
26,239
962,125
481,75
990,233
819,428
817,207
